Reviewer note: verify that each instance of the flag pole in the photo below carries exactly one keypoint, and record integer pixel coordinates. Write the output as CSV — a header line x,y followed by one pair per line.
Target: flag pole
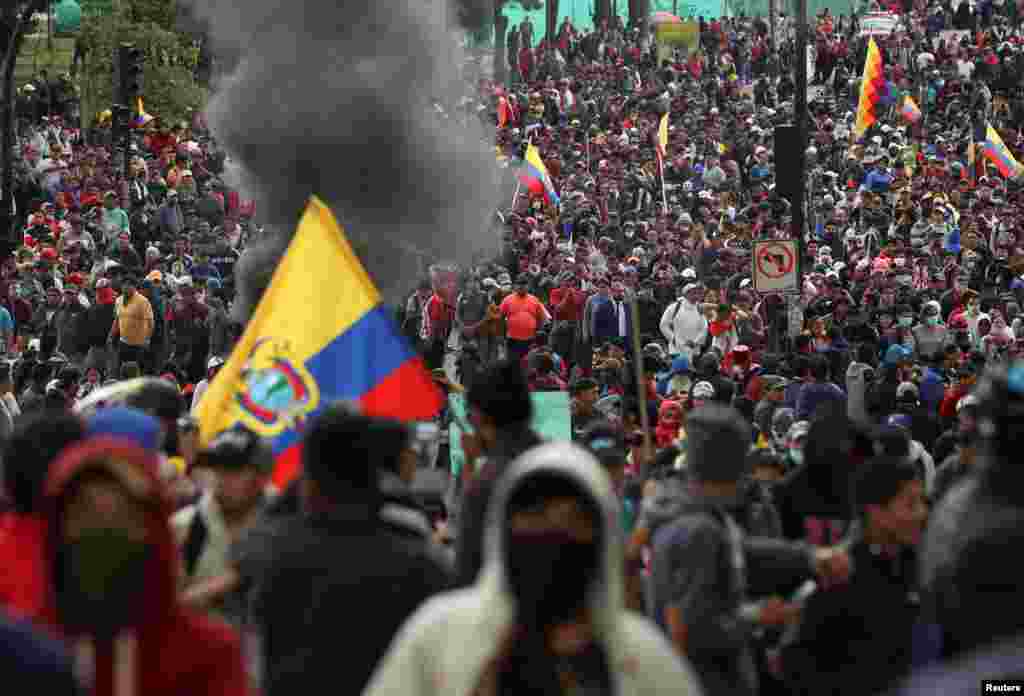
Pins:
x,y
587,135
641,389
515,196
664,196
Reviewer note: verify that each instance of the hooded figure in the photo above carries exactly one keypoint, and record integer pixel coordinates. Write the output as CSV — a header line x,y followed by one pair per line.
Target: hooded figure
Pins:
x,y
670,418
113,580
484,639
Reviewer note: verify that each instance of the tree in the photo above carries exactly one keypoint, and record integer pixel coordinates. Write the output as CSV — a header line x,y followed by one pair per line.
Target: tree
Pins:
x,y
552,21
638,12
15,18
170,87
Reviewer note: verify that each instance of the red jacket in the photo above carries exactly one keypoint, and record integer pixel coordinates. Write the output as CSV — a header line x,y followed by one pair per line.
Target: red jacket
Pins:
x,y
23,583
170,650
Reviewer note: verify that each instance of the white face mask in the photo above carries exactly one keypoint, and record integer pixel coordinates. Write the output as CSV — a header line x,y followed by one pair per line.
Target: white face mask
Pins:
x,y
797,455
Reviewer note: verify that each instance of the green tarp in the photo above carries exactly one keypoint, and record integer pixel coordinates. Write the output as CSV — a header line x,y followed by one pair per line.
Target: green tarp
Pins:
x,y
581,11
551,420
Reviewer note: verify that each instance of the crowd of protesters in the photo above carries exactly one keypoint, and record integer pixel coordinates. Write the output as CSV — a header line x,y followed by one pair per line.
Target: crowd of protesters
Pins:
x,y
763,494
116,275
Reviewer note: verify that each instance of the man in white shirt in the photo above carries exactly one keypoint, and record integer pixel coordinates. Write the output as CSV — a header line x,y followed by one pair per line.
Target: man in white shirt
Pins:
x,y
683,324
52,168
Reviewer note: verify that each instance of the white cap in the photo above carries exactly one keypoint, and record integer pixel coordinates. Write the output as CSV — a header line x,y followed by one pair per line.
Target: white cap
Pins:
x,y
703,390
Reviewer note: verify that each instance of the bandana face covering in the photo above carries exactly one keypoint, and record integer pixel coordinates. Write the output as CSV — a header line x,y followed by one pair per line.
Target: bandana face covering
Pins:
x,y
550,574
101,576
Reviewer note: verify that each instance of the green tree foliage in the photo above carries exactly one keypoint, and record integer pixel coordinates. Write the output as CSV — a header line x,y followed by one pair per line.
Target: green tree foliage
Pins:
x,y
170,89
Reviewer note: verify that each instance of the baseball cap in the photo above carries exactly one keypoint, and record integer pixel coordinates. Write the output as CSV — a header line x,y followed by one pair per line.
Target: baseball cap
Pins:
x,y
237,448
907,391
772,383
703,390
798,431
606,443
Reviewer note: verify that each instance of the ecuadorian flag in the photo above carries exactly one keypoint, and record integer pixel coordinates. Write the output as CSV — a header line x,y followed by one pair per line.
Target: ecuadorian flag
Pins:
x,y
320,334
535,176
995,149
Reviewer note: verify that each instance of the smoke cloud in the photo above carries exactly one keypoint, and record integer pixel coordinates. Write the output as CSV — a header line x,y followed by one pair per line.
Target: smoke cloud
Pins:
x,y
334,99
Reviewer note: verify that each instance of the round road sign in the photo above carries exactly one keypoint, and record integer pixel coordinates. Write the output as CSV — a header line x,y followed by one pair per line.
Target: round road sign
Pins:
x,y
775,261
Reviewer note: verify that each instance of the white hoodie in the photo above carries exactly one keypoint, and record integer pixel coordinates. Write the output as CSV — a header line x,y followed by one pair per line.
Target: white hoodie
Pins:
x,y
683,326
444,647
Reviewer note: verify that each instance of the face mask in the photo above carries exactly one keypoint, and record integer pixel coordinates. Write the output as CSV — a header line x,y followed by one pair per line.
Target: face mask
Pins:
x,y
931,321
549,574
101,576
906,321
797,455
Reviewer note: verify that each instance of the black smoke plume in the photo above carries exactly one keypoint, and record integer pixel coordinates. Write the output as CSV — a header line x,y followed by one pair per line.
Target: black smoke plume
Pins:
x,y
334,98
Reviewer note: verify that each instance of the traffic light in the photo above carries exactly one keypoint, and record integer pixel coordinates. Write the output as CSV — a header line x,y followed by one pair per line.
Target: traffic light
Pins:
x,y
130,71
120,123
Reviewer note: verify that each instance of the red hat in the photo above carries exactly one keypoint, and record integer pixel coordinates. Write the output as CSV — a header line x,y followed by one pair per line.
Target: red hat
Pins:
x,y
48,254
76,279
29,241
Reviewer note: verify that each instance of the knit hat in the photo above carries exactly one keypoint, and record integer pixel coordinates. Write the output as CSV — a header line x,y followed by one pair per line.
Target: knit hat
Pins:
x,y
717,439
128,424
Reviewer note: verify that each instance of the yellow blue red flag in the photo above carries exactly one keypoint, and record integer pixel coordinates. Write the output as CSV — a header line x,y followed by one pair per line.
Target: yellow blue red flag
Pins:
x,y
319,334
995,149
535,175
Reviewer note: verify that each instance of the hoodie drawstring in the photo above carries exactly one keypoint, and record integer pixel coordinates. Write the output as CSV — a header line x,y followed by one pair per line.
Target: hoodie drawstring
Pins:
x,y
85,663
126,648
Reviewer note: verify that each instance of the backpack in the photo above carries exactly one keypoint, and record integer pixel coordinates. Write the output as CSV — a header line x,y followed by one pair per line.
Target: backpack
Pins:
x,y
195,542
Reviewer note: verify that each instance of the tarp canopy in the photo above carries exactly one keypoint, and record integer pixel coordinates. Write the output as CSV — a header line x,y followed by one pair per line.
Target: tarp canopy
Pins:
x,y
580,12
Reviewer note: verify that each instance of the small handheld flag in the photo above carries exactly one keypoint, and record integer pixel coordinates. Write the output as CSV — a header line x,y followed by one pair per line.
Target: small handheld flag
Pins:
x,y
662,144
909,110
536,178
997,152
872,87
